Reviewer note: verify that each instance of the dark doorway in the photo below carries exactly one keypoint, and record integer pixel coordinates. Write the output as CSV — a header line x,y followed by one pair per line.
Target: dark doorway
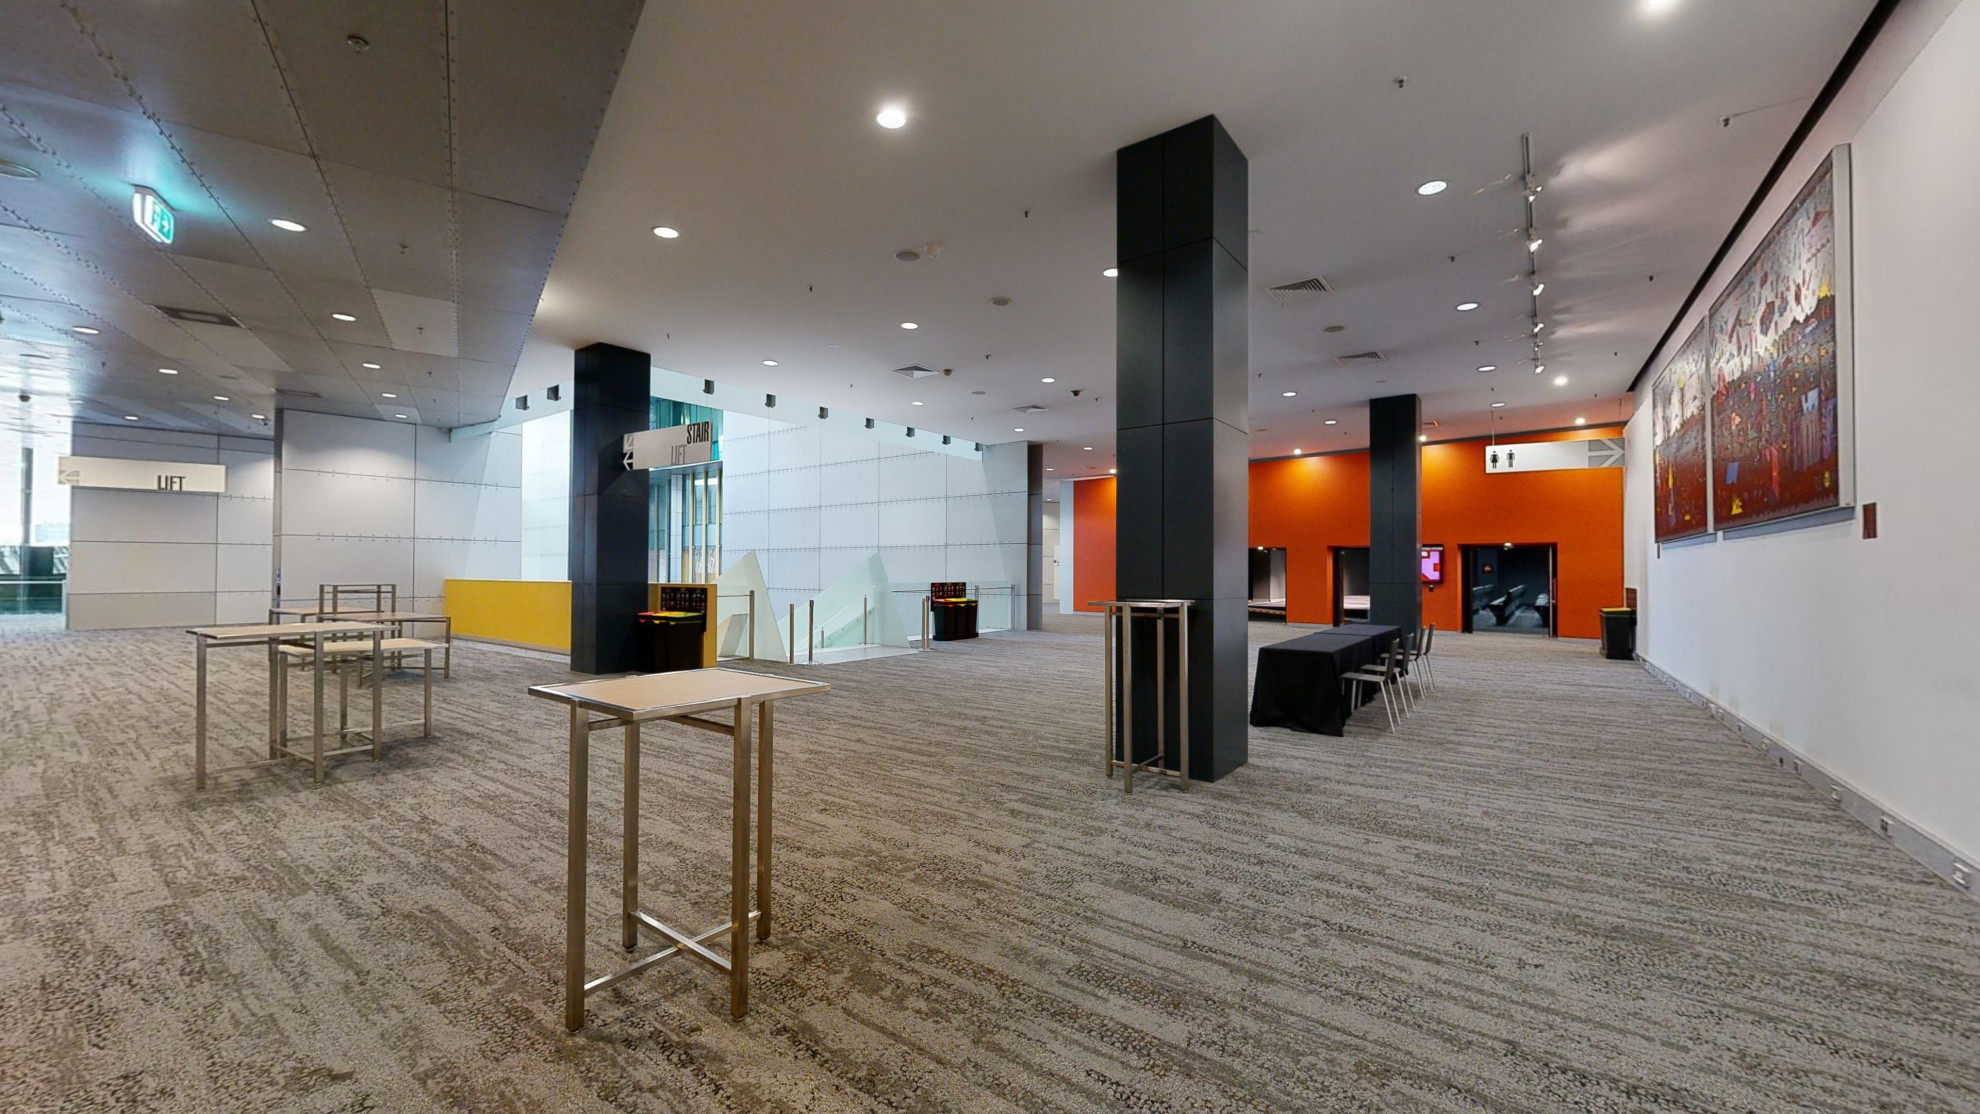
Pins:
x,y
1509,589
1268,584
1350,584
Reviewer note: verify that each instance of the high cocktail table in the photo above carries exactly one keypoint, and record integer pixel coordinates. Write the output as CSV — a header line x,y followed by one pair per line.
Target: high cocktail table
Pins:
x,y
679,697
270,636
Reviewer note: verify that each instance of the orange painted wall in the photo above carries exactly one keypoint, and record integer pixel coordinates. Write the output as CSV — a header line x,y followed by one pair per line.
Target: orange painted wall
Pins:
x,y
1093,542
1308,505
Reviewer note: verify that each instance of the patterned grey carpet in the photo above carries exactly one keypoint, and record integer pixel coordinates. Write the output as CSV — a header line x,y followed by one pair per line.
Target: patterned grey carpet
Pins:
x,y
1559,888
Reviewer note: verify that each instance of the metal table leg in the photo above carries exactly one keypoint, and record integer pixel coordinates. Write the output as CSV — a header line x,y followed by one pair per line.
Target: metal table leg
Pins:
x,y
1127,702
199,714
377,697
629,879
739,869
316,723
426,675
574,869
274,725
1108,637
765,728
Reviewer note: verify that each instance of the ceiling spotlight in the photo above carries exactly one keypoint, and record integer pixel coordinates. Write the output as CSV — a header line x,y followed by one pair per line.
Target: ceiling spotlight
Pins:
x,y
909,325
1111,272
917,404
892,116
1086,448
1467,307
259,417
1017,429
1432,188
222,398
1423,437
1331,421
389,394
1288,394
130,417
665,233
1539,289
342,317
1497,405
86,330
1048,379
372,366
1534,244
1110,471
398,415
168,371
1489,367
769,363
1295,452
1560,380
288,225
1581,421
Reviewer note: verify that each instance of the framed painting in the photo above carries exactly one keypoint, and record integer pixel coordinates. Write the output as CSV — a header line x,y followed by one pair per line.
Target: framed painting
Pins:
x,y
1782,431
1678,440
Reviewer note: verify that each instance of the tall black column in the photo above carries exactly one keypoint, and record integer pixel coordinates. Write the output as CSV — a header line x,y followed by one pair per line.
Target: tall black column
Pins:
x,y
1395,511
611,398
1181,406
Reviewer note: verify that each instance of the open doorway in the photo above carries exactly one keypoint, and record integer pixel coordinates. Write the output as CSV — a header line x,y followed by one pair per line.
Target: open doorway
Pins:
x,y
1268,584
1350,584
1510,589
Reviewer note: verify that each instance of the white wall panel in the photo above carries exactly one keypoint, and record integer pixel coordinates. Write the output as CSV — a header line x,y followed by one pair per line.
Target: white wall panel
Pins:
x,y
744,456
124,611
125,568
469,460
915,564
308,562
743,531
922,476
468,511
105,515
245,568
838,447
249,475
240,607
245,521
793,447
850,527
793,487
794,529
328,504
848,483
346,446
918,523
435,561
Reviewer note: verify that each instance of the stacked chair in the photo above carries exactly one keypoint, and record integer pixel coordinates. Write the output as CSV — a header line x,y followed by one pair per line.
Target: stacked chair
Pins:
x,y
1405,662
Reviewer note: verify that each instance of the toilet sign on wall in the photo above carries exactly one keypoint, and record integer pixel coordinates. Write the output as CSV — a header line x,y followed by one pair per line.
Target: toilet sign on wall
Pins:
x,y
693,443
1554,456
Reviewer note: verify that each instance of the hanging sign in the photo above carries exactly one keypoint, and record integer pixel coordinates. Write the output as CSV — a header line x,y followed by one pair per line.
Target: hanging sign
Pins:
x,y
151,213
693,443
141,475
1554,456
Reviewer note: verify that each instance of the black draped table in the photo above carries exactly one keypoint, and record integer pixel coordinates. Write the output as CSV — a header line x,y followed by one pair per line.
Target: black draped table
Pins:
x,y
1299,681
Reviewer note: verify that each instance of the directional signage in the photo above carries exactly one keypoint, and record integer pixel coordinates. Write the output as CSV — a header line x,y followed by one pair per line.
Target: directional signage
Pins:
x,y
153,215
693,443
1554,456
141,475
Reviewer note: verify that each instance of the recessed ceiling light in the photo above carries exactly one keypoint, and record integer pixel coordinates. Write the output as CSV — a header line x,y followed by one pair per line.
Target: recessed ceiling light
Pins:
x,y
665,233
1288,394
1111,272
1110,471
222,398
85,330
1534,244
389,394
1331,421
1467,307
1048,379
1489,367
892,116
372,366
1497,405
259,417
1433,188
1538,368
917,404
769,363
287,225
398,415
909,325
168,371
342,317
1658,7
1540,289
1560,380
1581,421
1086,448
130,417
1017,429
1423,437
1539,325
1051,469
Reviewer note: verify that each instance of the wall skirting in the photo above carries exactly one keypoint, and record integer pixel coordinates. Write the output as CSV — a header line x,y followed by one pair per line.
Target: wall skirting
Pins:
x,y
1954,867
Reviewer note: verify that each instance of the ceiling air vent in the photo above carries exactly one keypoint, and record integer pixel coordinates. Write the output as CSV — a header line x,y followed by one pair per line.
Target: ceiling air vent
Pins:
x,y
914,371
297,394
198,316
1034,408
1305,290
1359,358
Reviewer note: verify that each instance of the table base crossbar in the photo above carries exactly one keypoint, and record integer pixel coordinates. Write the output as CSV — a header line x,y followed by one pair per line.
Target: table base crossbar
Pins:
x,y
683,944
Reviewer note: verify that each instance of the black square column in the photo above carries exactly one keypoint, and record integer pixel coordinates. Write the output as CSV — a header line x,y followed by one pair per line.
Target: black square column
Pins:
x,y
1182,411
1395,511
611,398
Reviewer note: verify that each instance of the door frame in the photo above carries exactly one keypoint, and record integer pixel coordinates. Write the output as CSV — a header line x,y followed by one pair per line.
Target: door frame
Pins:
x,y
1553,581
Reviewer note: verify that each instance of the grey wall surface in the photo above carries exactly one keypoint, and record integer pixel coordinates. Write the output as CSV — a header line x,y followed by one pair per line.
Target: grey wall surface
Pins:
x,y
168,558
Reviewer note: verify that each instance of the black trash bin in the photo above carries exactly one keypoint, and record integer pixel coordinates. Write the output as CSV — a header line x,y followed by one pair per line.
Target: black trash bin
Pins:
x,y
1619,633
670,640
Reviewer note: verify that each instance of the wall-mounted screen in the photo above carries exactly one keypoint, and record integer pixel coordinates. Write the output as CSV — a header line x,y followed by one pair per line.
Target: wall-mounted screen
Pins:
x,y
1433,564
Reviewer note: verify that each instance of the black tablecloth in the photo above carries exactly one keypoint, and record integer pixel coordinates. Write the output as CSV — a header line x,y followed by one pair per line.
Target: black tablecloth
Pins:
x,y
1299,681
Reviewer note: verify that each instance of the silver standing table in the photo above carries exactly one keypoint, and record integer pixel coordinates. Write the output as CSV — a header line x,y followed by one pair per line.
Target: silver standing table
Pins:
x,y
1120,674
270,636
680,697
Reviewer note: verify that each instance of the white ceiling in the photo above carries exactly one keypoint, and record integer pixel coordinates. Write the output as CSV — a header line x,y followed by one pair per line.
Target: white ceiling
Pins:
x,y
433,170
749,127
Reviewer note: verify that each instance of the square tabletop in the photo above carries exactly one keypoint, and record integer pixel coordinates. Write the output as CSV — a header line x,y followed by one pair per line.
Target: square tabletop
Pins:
x,y
654,695
264,631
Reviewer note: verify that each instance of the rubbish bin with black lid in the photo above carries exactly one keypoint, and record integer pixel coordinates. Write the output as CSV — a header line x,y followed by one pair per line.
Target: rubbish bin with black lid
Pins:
x,y
670,640
1619,633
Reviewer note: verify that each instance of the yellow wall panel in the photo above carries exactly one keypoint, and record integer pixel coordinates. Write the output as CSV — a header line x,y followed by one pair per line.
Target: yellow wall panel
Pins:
x,y
527,612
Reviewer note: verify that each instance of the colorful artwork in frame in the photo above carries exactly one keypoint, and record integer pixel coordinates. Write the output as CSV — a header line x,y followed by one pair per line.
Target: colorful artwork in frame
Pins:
x,y
1677,440
1780,370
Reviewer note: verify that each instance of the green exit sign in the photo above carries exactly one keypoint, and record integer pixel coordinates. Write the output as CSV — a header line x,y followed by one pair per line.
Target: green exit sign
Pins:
x,y
153,215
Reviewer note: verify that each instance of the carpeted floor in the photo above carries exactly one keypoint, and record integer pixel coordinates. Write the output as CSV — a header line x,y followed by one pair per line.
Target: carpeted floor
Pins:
x,y
1560,887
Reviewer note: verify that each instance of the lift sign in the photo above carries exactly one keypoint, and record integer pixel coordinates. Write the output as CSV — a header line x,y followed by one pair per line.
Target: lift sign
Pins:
x,y
153,215
693,443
